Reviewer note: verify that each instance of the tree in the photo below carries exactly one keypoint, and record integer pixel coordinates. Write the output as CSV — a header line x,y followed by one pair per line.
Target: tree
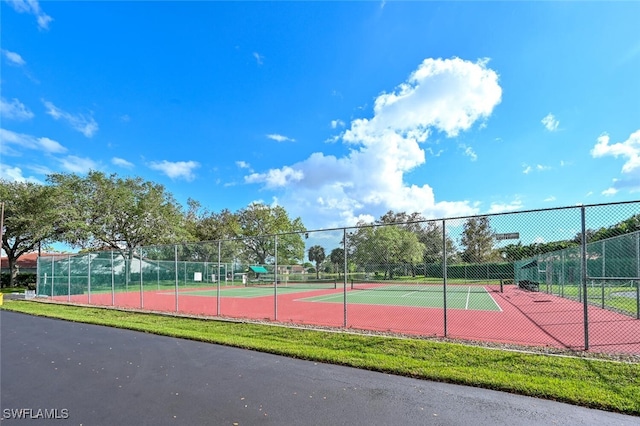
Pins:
x,y
257,227
118,213
29,218
478,239
429,233
316,254
337,259
205,226
384,248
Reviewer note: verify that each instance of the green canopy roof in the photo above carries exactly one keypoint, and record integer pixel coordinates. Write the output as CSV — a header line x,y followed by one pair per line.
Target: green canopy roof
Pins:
x,y
258,269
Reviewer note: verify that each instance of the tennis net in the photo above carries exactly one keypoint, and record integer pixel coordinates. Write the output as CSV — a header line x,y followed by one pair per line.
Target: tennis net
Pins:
x,y
437,287
310,284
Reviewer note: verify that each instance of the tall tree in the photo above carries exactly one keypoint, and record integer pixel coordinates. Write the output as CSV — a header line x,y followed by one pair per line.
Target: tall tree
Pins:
x,y
337,259
29,218
429,233
478,240
257,226
209,228
317,255
117,213
384,248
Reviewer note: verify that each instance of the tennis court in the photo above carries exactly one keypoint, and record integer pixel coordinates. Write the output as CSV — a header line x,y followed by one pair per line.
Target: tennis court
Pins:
x,y
424,295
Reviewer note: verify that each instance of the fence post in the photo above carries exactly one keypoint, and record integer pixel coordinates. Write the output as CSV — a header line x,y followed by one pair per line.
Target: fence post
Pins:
x,y
344,287
444,274
69,278
583,279
113,288
175,260
89,276
275,281
141,284
218,278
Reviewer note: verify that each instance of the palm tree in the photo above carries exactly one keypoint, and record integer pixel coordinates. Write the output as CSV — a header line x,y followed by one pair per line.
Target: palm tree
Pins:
x,y
316,254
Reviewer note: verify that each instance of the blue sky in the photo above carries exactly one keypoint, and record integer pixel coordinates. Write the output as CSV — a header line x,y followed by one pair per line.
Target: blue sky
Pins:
x,y
337,111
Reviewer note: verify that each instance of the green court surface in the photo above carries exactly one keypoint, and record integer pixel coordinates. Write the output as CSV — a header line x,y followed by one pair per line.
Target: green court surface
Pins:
x,y
460,297
244,292
468,298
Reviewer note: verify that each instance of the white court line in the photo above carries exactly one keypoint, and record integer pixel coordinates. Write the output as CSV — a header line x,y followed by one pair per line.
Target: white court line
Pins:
x,y
494,301
466,306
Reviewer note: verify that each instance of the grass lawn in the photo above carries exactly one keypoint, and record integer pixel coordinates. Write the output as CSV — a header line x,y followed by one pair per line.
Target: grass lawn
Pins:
x,y
602,384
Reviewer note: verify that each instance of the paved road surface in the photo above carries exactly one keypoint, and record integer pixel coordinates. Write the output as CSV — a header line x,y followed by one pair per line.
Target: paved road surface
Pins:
x,y
92,375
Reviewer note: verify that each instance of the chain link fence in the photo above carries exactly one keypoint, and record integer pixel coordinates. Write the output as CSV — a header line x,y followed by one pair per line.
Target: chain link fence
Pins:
x,y
565,278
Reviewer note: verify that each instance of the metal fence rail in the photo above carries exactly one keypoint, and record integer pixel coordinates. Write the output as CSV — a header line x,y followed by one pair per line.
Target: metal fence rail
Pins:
x,y
566,278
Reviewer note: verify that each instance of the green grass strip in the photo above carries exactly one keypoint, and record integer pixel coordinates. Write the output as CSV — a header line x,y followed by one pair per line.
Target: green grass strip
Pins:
x,y
606,385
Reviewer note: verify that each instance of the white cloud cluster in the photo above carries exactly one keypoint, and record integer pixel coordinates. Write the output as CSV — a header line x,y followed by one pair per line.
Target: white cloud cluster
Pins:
x,y
121,162
550,122
10,139
14,174
176,170
13,58
83,124
14,110
445,95
280,138
32,7
630,151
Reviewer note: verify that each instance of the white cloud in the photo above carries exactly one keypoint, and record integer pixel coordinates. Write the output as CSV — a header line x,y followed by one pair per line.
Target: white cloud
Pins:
x,y
469,152
280,138
32,7
75,164
505,207
259,58
243,165
629,149
121,162
449,96
609,192
276,177
549,199
538,168
550,122
13,58
14,110
14,174
337,123
176,170
80,122
22,140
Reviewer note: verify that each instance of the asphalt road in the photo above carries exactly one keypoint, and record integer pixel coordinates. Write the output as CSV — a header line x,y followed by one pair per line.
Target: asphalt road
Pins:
x,y
92,375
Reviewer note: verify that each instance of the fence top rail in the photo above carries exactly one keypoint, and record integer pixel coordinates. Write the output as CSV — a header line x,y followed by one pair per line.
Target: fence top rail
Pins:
x,y
614,278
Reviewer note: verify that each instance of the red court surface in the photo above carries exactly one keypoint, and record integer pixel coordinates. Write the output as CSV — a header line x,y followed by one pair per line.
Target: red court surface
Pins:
x,y
526,318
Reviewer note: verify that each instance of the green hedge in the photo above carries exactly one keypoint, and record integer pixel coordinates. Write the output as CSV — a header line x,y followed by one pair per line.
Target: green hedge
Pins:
x,y
21,280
